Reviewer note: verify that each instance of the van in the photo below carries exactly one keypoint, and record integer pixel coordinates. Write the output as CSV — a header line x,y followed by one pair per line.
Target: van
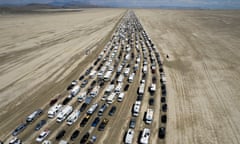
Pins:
x,y
120,97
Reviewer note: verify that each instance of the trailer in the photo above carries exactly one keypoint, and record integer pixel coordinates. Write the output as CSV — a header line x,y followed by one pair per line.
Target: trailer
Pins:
x,y
75,90
66,111
53,111
73,117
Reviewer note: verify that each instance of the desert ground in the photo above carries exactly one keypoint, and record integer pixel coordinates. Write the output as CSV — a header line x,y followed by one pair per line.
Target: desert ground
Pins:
x,y
40,54
203,72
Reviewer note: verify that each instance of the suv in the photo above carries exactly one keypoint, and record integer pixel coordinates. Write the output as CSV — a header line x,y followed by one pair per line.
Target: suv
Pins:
x,y
132,123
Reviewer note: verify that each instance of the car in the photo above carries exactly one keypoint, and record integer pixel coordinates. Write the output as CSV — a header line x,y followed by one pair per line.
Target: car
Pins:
x,y
161,132
81,77
163,99
75,135
15,140
154,79
112,110
84,121
53,101
132,123
103,124
46,142
66,100
151,101
84,138
19,129
95,122
83,107
40,125
84,83
126,87
164,107
164,118
42,135
60,134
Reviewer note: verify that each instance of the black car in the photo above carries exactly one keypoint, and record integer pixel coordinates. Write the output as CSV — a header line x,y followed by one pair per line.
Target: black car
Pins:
x,y
75,135
85,120
164,118
85,138
95,122
83,107
164,107
19,129
126,87
40,125
60,134
103,124
151,101
163,99
112,110
161,132
66,100
81,77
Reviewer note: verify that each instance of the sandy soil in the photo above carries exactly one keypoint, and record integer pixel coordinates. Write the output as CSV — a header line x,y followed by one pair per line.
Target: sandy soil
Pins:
x,y
42,53
202,72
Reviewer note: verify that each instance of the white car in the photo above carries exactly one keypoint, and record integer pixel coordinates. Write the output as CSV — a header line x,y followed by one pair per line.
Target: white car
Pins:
x,y
42,135
15,140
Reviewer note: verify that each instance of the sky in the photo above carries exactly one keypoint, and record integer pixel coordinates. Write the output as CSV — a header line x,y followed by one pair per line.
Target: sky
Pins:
x,y
144,3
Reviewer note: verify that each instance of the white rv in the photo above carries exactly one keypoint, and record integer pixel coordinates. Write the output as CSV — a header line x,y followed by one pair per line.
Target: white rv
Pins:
x,y
118,88
109,89
153,87
126,71
53,111
136,108
107,76
92,109
111,98
73,117
129,136
141,89
94,92
131,77
66,111
120,97
145,136
93,74
82,96
149,116
75,90
120,79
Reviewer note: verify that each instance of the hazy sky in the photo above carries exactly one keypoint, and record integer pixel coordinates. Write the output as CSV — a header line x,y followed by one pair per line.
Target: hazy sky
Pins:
x,y
144,3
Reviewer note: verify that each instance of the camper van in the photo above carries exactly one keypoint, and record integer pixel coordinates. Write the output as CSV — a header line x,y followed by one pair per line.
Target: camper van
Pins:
x,y
82,96
136,108
75,90
120,97
53,111
149,116
66,111
73,117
